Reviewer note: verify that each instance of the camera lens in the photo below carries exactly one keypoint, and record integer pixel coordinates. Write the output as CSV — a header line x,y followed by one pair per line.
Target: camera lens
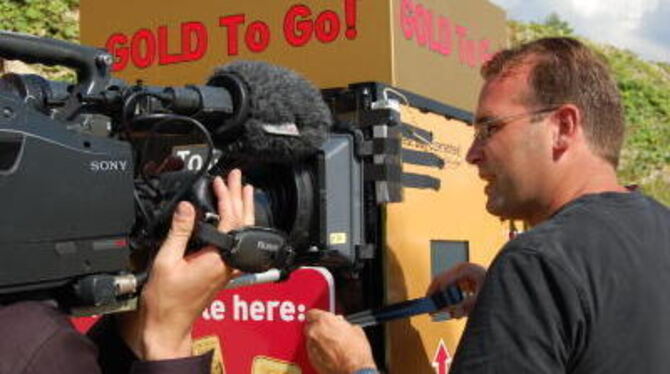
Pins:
x,y
285,199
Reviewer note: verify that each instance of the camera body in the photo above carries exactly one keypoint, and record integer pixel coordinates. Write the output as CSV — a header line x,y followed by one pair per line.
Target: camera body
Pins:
x,y
67,198
80,204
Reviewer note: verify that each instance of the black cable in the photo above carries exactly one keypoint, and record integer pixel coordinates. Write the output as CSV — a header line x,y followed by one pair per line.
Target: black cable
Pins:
x,y
168,118
126,122
129,106
162,118
142,208
141,278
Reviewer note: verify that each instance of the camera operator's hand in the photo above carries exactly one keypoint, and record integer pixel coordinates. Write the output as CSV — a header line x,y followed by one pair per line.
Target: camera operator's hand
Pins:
x,y
180,286
469,277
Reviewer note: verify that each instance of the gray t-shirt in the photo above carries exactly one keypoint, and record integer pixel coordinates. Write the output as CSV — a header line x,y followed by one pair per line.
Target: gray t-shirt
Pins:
x,y
584,292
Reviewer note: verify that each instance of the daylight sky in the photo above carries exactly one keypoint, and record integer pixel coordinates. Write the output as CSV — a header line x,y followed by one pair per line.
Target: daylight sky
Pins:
x,y
642,26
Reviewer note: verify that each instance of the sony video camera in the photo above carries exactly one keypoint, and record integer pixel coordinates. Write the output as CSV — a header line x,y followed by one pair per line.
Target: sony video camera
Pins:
x,y
91,172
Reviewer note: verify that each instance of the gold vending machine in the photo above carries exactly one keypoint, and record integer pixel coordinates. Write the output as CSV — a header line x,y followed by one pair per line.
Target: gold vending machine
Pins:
x,y
417,60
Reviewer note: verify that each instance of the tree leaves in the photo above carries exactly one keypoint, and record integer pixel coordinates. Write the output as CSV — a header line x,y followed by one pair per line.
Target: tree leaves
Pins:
x,y
52,18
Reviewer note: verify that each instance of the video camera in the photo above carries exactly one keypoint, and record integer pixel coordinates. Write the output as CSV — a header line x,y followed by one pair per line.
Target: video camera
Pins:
x,y
89,173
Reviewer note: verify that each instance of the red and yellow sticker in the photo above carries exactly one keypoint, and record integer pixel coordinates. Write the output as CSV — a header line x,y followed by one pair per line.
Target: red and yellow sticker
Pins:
x,y
269,365
208,343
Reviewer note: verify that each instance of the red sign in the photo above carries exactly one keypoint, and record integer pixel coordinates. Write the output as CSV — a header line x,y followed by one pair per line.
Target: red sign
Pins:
x,y
259,328
260,324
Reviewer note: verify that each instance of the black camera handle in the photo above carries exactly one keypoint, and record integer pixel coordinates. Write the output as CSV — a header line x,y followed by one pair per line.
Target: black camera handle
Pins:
x,y
252,249
92,64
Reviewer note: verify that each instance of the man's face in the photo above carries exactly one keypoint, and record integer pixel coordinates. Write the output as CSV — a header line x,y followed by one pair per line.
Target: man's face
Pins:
x,y
516,155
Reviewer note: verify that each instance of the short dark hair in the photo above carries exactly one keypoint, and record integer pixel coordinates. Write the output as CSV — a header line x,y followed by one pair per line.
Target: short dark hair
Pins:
x,y
564,70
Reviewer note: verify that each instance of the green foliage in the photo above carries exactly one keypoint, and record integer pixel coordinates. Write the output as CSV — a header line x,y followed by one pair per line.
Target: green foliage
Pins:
x,y
556,24
53,18
520,32
645,92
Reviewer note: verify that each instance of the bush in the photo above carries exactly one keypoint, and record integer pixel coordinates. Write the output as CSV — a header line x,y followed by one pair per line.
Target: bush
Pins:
x,y
53,18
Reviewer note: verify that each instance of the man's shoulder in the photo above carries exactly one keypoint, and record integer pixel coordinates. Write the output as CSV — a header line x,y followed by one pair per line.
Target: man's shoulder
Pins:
x,y
547,238
593,228
591,216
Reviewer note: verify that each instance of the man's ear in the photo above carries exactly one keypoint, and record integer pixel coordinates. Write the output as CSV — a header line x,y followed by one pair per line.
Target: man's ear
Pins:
x,y
567,122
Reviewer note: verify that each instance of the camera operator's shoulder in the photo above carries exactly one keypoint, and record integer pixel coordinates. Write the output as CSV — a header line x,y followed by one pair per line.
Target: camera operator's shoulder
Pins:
x,y
31,316
36,336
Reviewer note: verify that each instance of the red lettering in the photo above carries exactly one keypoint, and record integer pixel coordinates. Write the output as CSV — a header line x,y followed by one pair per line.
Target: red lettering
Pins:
x,y
116,46
461,31
484,53
299,27
438,33
143,40
146,46
297,33
444,30
434,40
466,47
407,19
232,23
164,57
189,51
350,18
327,26
470,53
420,29
257,37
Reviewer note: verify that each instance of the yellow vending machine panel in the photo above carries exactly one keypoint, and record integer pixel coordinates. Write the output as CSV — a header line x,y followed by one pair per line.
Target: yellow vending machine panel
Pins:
x,y
432,229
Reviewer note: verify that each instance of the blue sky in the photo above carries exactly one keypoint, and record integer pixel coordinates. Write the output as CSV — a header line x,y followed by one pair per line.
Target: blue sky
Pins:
x,y
642,26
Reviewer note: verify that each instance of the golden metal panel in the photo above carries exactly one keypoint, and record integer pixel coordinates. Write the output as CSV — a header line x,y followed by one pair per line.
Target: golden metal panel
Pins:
x,y
455,212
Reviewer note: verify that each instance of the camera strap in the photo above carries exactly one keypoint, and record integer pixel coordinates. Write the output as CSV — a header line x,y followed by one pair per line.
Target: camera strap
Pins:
x,y
251,249
450,296
209,234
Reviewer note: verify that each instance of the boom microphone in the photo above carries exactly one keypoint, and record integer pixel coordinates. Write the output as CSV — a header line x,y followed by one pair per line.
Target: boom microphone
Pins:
x,y
281,117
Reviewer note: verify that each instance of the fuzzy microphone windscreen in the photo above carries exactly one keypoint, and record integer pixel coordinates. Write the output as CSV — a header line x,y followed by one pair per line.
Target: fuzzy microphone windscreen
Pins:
x,y
288,119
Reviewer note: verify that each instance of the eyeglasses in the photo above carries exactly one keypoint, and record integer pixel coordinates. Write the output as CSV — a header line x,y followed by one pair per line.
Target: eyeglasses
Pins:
x,y
486,128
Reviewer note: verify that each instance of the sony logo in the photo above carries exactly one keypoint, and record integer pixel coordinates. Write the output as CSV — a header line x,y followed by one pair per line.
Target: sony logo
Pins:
x,y
111,165
267,246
